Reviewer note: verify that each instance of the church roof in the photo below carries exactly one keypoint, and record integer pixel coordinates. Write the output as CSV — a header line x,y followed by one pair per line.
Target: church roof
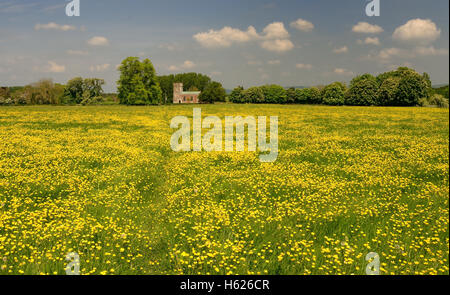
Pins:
x,y
191,92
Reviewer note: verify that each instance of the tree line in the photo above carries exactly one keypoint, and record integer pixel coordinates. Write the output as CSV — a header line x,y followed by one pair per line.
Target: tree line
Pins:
x,y
402,87
139,85
45,92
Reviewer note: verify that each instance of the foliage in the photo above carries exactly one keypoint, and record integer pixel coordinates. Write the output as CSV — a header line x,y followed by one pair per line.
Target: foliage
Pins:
x,y
212,93
190,81
236,96
253,95
363,91
444,91
435,100
138,84
274,94
334,94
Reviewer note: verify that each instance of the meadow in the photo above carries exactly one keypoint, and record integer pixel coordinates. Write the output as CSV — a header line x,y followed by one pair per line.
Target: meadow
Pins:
x,y
103,181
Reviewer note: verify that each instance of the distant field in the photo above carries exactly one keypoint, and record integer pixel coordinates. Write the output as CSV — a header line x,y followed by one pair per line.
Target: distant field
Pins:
x,y
103,182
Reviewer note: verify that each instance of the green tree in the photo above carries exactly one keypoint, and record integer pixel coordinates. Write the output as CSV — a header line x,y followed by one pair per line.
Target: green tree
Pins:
x,y
411,88
387,93
253,95
274,94
334,94
213,92
138,83
236,96
363,91
291,95
73,91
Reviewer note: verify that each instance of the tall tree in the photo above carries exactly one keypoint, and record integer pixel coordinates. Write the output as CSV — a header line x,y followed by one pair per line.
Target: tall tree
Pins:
x,y
213,92
138,84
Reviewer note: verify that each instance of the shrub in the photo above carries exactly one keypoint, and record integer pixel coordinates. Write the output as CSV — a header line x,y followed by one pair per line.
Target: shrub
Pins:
x,y
435,100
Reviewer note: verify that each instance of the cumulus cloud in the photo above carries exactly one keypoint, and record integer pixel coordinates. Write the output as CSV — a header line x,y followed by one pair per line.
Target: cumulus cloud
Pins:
x,y
277,45
225,37
54,26
341,50
366,28
274,62
422,31
302,25
275,31
370,41
274,37
344,72
53,67
99,68
98,41
304,66
185,66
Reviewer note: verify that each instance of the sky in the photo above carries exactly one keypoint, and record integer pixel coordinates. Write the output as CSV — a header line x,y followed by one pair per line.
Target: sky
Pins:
x,y
235,42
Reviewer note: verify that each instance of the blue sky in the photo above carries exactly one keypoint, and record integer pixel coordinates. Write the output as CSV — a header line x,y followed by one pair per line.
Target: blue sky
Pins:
x,y
289,42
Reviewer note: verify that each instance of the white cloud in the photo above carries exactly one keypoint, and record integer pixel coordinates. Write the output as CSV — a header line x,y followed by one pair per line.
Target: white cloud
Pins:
x,y
274,37
430,51
54,26
275,30
53,67
341,71
277,45
77,52
387,54
303,25
274,62
185,66
188,64
422,31
304,66
370,41
98,41
341,50
225,37
99,68
366,28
